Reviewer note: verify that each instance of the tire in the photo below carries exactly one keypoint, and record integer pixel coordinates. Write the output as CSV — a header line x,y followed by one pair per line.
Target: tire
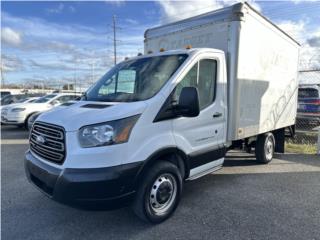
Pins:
x,y
265,146
26,123
26,126
153,201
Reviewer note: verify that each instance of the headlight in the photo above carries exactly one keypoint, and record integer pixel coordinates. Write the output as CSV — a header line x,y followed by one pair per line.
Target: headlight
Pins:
x,y
113,132
18,110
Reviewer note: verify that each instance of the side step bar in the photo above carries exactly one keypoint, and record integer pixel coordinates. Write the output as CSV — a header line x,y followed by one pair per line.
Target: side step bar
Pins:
x,y
201,174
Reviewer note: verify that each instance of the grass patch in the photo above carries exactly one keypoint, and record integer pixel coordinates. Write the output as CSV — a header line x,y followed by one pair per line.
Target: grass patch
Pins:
x,y
300,148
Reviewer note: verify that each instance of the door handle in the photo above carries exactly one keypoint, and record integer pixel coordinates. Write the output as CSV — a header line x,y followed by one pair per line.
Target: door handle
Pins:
x,y
217,114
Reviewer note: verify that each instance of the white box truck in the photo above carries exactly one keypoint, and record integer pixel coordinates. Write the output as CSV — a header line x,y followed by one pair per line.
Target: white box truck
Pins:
x,y
170,115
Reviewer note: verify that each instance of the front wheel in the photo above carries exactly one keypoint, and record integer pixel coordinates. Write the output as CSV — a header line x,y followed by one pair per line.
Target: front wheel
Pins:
x,y
27,122
159,192
30,120
265,146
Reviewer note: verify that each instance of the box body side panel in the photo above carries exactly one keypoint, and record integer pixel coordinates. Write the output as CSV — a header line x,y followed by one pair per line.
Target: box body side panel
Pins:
x,y
266,93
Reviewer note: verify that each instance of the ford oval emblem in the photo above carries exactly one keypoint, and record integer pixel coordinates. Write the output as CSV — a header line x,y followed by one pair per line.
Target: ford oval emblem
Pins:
x,y
40,139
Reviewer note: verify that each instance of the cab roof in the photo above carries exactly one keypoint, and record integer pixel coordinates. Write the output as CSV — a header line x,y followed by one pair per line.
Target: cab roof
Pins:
x,y
191,51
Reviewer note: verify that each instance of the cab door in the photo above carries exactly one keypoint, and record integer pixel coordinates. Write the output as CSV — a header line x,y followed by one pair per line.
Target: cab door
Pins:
x,y
203,137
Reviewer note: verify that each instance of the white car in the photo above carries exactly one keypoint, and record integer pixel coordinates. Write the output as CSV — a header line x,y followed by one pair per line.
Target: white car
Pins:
x,y
25,100
34,116
19,113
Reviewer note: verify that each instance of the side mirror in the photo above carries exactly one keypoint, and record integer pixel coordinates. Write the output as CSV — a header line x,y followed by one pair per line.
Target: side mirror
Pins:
x,y
188,105
55,103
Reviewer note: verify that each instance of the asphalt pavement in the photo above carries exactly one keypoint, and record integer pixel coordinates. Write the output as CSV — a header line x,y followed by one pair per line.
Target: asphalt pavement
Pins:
x,y
244,200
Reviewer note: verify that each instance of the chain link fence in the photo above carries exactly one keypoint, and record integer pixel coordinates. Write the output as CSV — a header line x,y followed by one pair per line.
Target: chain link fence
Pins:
x,y
307,138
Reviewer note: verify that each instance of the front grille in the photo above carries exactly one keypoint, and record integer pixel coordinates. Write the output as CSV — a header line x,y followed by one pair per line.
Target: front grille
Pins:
x,y
48,141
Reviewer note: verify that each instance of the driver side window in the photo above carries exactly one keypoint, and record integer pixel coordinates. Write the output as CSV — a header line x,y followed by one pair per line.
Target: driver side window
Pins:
x,y
61,99
202,76
190,80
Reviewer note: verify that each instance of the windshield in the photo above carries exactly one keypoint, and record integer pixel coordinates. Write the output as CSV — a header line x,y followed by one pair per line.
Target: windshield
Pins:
x,y
4,93
45,99
6,100
23,100
32,100
135,80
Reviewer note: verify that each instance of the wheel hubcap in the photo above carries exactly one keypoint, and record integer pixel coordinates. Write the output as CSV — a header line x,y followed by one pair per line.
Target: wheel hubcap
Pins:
x,y
163,193
269,148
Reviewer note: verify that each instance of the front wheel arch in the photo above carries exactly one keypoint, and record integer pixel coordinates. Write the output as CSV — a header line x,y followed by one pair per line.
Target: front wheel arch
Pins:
x,y
173,155
27,118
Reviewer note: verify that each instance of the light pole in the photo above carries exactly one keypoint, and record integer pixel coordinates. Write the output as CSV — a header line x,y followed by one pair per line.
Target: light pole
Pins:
x,y
114,39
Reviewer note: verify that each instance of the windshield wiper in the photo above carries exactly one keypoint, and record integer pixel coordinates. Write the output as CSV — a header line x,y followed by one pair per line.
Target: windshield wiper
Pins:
x,y
114,99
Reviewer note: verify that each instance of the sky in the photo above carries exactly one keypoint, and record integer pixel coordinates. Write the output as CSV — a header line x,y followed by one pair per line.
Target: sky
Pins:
x,y
60,42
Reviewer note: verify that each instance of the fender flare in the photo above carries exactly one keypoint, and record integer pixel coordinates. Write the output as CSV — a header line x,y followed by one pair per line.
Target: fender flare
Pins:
x,y
164,153
29,115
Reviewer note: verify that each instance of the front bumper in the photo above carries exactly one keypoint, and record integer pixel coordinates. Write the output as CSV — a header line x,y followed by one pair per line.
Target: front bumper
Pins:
x,y
14,119
94,188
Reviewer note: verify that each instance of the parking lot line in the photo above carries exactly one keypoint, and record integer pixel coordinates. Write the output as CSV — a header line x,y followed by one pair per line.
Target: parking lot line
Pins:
x,y
14,141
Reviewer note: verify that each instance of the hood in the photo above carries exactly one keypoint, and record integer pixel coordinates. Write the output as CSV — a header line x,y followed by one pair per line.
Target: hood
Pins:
x,y
33,106
16,105
12,105
83,113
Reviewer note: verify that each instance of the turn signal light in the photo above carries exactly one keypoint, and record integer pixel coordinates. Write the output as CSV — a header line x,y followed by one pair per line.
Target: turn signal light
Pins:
x,y
162,50
188,46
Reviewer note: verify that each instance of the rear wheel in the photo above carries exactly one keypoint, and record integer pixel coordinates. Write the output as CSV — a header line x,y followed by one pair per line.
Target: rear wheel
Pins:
x,y
265,146
159,192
